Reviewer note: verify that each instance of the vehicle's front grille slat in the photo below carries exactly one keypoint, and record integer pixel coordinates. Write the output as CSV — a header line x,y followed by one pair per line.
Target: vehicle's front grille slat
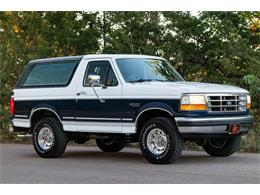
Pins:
x,y
226,103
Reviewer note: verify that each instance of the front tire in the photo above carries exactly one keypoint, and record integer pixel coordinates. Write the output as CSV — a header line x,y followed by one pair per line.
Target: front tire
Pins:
x,y
109,144
160,141
222,147
49,139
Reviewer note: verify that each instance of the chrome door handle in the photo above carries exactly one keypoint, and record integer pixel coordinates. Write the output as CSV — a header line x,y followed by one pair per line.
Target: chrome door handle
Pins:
x,y
81,93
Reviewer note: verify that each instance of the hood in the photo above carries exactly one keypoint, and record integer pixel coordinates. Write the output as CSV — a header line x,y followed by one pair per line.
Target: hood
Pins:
x,y
177,88
196,87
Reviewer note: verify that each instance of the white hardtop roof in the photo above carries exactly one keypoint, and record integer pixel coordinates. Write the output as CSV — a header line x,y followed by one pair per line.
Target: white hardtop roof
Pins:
x,y
117,56
92,56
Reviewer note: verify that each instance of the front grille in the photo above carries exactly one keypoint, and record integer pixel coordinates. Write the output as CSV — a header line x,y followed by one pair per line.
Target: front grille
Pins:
x,y
226,103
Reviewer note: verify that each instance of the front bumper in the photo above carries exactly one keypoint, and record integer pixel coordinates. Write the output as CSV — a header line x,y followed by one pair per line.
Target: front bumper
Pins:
x,y
213,125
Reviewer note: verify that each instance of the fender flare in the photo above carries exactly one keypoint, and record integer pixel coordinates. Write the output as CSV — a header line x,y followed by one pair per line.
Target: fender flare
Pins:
x,y
44,107
154,106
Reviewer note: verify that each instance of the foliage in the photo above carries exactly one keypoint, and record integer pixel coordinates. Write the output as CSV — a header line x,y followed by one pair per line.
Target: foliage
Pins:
x,y
219,47
133,32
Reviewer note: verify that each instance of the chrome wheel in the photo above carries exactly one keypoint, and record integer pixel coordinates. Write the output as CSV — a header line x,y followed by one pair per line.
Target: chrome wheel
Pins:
x,y
157,141
46,138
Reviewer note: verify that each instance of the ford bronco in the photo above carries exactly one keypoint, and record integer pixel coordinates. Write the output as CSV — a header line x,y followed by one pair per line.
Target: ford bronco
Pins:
x,y
119,99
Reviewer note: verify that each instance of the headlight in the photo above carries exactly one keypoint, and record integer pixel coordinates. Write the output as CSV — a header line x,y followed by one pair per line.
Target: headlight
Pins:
x,y
193,103
248,101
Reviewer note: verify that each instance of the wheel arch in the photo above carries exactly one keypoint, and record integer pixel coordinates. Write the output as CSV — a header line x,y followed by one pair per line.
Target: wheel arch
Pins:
x,y
43,111
153,110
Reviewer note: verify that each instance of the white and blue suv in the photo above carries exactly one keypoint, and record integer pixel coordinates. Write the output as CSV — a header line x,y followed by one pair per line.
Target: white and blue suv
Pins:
x,y
119,99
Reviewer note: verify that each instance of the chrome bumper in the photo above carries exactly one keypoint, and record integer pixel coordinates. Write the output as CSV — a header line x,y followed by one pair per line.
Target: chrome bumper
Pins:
x,y
213,125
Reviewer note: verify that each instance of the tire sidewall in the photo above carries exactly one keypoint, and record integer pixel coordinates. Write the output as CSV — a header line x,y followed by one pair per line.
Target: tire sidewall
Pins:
x,y
230,147
38,127
169,137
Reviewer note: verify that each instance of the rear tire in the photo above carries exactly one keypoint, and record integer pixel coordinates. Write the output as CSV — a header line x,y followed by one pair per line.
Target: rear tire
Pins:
x,y
160,141
49,139
109,144
222,147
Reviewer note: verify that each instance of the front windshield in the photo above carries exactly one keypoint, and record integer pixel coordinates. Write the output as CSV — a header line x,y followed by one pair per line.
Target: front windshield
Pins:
x,y
143,69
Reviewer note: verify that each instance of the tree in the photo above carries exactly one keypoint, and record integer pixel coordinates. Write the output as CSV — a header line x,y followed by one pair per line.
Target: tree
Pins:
x,y
219,47
29,35
212,46
132,32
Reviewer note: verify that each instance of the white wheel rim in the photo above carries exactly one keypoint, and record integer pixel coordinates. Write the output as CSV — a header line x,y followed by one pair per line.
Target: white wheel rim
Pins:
x,y
157,141
45,138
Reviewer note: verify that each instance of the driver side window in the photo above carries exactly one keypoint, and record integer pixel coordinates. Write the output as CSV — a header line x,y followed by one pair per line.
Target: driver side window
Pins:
x,y
104,70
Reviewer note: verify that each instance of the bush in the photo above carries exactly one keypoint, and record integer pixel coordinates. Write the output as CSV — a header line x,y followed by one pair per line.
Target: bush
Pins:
x,y
251,141
218,47
5,136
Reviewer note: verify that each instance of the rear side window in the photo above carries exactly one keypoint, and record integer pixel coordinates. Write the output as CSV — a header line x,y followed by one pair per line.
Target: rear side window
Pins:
x,y
51,74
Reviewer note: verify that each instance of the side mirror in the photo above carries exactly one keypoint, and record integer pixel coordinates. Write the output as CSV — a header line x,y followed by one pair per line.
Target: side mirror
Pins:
x,y
94,79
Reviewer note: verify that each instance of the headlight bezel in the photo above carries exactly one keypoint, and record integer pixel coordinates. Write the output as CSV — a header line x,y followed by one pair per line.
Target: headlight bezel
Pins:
x,y
193,102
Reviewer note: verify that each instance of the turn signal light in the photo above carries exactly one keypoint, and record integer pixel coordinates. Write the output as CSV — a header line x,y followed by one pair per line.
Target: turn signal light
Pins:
x,y
186,107
248,102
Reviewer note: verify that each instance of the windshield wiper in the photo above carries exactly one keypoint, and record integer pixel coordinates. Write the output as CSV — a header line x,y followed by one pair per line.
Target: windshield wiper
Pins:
x,y
146,80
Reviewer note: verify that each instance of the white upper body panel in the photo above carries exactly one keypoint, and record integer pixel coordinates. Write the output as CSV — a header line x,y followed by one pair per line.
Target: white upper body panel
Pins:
x,y
176,89
142,90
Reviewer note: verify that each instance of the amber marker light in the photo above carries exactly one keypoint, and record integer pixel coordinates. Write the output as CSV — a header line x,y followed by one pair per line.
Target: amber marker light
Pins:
x,y
248,102
193,103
